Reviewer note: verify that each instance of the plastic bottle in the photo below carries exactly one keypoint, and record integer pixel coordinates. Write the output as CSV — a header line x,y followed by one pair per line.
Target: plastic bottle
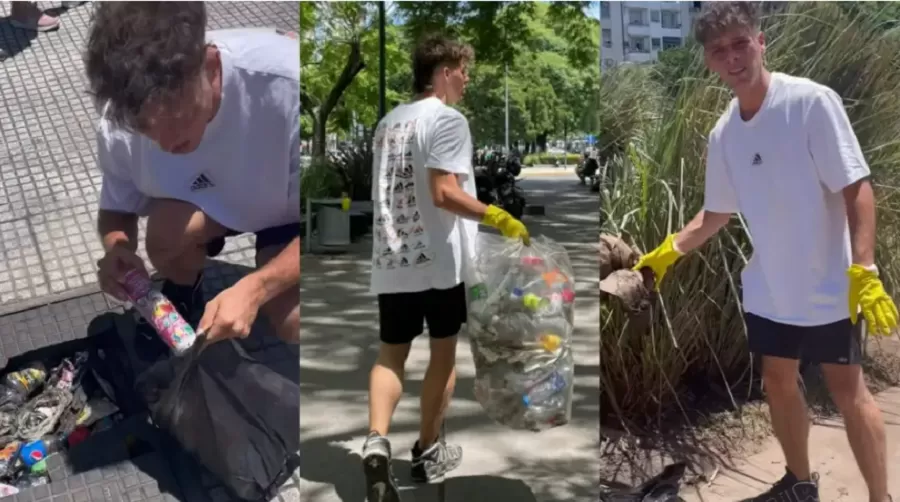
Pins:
x,y
26,381
8,456
37,450
545,389
159,312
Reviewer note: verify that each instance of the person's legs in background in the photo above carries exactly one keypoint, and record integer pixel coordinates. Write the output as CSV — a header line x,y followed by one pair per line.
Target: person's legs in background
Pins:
x,y
28,16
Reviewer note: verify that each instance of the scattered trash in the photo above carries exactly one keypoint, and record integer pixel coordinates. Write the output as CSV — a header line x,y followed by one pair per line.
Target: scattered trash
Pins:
x,y
520,326
42,413
617,279
663,487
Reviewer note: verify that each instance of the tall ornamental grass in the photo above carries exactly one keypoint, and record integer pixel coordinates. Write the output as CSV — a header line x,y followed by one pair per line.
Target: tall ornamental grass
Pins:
x,y
696,341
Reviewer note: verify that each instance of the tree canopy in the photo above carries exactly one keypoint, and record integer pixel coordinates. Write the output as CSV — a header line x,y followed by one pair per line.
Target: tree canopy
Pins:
x,y
550,49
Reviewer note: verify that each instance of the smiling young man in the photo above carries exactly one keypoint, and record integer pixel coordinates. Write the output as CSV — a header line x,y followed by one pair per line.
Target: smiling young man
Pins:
x,y
199,133
784,155
426,221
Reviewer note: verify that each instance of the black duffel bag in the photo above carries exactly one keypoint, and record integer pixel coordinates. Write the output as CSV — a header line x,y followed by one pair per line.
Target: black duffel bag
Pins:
x,y
237,416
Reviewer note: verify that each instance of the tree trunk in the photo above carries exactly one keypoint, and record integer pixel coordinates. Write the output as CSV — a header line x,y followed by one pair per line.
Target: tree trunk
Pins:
x,y
541,141
354,65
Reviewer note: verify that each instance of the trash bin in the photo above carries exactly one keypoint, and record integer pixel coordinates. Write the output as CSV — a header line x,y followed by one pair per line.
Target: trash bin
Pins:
x,y
333,225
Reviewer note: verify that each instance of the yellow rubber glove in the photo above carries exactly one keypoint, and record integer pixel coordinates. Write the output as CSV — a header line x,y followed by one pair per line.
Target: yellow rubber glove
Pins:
x,y
660,259
867,294
507,225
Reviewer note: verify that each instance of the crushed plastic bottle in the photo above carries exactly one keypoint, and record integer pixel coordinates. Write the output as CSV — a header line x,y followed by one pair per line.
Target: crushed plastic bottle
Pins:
x,y
159,312
28,380
9,456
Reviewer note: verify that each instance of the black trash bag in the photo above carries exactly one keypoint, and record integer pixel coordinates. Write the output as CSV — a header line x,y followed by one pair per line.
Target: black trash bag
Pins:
x,y
663,487
237,416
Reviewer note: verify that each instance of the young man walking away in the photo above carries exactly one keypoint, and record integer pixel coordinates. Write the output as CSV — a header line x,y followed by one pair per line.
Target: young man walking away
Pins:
x,y
426,221
200,134
785,156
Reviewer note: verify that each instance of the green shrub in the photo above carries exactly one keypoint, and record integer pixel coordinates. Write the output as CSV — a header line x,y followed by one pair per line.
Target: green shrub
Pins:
x,y
538,159
696,333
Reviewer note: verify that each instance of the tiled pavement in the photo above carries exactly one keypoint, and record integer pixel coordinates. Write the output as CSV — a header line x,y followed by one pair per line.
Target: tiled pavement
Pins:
x,y
49,184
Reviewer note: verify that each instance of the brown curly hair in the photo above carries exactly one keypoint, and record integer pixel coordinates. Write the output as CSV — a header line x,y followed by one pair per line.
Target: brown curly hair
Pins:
x,y
138,51
718,17
434,51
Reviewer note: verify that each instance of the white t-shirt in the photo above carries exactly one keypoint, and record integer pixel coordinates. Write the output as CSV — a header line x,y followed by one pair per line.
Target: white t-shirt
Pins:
x,y
784,170
246,172
417,246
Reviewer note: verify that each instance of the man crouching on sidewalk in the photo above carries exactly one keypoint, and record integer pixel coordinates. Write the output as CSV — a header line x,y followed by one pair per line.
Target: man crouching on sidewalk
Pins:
x,y
200,134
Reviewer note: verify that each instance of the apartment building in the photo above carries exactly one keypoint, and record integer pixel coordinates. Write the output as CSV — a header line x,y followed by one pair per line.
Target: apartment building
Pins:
x,y
637,31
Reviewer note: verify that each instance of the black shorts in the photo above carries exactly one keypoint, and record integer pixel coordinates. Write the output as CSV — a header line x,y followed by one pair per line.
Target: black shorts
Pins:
x,y
402,315
274,236
836,343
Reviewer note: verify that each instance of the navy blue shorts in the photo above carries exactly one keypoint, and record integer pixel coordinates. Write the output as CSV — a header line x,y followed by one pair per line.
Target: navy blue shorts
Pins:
x,y
836,343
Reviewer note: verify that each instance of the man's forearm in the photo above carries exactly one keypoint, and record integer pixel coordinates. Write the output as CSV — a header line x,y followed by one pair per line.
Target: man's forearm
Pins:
x,y
450,197
860,200
699,230
117,229
281,272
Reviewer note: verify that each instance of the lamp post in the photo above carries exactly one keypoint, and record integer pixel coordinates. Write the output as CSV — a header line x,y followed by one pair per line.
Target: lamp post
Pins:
x,y
381,65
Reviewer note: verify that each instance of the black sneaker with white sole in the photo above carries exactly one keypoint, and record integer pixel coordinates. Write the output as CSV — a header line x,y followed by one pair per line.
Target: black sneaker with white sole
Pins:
x,y
431,465
376,459
188,301
791,489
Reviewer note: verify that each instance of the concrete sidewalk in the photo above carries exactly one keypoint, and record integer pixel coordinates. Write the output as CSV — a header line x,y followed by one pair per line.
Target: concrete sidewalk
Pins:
x,y
339,343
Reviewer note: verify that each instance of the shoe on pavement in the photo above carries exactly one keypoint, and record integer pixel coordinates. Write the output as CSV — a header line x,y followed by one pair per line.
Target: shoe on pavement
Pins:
x,y
431,465
376,460
41,24
188,301
791,489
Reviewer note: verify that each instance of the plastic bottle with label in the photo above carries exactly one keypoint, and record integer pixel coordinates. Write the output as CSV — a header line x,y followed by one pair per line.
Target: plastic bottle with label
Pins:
x,y
159,312
545,389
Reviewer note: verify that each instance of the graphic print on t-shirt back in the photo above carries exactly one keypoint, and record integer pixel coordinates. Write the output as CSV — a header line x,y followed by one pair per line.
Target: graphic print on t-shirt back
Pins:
x,y
401,240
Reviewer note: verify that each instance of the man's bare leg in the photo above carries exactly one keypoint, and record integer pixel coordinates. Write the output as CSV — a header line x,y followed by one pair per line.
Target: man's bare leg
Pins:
x,y
787,409
864,424
386,385
437,389
284,310
177,233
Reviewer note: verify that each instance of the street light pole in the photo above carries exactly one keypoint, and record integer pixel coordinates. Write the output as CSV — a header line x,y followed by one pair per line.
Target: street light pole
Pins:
x,y
381,65
506,125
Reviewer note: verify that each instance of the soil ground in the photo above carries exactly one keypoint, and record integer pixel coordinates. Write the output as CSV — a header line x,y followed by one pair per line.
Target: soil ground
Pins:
x,y
734,457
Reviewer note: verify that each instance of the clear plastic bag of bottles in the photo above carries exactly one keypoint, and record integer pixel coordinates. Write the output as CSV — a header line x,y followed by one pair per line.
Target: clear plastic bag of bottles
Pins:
x,y
520,325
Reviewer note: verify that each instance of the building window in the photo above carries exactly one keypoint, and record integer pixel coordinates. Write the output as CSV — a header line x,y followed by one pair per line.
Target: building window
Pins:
x,y
604,10
655,44
640,44
607,37
637,17
654,16
670,20
671,42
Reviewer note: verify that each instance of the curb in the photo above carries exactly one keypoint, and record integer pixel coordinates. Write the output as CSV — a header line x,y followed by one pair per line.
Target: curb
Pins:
x,y
41,301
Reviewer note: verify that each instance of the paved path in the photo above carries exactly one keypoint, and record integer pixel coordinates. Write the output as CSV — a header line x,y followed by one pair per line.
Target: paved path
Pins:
x,y
49,184
339,341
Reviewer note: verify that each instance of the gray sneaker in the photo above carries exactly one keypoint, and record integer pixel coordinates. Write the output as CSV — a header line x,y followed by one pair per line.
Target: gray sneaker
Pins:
x,y
376,459
791,489
431,465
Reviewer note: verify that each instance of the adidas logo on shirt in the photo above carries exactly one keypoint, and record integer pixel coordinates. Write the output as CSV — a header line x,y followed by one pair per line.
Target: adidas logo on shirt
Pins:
x,y
201,183
757,160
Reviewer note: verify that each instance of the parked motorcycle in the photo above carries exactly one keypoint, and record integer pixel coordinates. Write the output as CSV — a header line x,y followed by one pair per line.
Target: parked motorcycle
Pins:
x,y
495,183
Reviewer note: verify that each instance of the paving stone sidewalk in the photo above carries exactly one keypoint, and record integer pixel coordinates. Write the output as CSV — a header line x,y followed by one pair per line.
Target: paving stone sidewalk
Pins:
x,y
339,343
49,183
